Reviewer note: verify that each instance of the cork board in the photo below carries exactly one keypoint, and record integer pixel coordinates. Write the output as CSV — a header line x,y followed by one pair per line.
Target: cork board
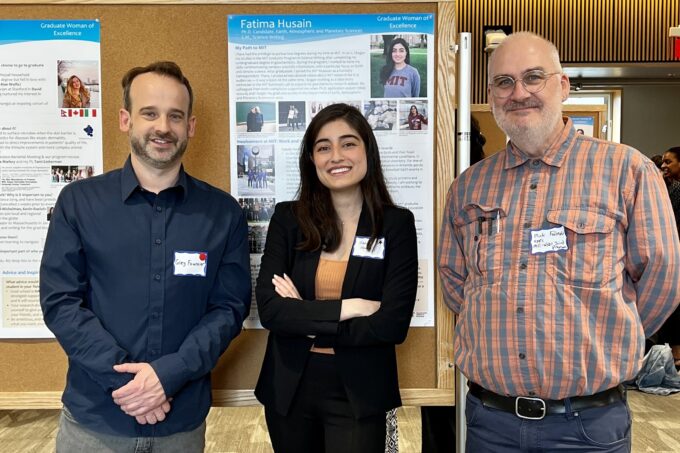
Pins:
x,y
195,37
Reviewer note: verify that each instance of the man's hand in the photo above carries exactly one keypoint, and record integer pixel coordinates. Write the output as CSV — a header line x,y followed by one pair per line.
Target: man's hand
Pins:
x,y
142,395
156,415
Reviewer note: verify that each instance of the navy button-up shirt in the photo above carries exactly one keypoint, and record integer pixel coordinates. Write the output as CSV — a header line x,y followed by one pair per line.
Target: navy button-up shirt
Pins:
x,y
113,289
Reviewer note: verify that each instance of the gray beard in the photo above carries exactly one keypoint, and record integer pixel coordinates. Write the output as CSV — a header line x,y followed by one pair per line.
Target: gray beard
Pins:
x,y
533,139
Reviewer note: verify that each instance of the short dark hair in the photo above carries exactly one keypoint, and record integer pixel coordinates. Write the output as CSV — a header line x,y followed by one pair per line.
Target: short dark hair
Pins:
x,y
165,68
314,208
675,151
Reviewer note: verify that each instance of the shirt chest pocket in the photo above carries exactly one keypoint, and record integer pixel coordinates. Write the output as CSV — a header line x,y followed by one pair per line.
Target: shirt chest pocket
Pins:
x,y
481,230
588,261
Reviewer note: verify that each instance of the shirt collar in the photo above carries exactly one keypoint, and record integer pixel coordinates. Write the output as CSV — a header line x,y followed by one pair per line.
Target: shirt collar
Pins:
x,y
130,183
554,156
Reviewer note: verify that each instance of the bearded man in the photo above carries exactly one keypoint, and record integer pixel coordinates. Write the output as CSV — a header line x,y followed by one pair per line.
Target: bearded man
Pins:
x,y
554,254
145,279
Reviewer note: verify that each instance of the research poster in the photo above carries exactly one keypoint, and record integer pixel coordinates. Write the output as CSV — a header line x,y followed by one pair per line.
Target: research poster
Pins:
x,y
50,136
584,125
283,69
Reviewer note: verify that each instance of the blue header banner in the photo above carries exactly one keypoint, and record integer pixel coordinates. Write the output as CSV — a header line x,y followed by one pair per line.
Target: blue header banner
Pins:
x,y
15,31
287,29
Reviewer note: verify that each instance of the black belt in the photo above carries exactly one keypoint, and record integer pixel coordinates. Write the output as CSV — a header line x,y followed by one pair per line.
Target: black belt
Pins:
x,y
536,408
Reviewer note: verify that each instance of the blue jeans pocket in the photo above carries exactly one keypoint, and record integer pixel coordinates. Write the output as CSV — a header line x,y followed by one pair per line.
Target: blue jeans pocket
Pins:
x,y
605,426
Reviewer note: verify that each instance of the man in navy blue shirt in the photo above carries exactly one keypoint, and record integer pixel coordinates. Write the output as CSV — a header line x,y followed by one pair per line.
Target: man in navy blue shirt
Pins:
x,y
145,279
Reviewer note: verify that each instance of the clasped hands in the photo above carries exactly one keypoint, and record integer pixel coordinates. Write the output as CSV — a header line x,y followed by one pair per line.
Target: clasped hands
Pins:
x,y
143,397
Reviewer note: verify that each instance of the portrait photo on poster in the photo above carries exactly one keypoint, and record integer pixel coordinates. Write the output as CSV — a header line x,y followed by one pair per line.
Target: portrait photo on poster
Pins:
x,y
78,84
399,66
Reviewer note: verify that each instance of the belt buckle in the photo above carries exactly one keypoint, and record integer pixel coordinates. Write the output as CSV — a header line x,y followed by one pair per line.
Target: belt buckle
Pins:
x,y
525,407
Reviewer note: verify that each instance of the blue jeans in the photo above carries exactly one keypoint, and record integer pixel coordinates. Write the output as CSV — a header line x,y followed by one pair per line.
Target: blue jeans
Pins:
x,y
74,438
600,429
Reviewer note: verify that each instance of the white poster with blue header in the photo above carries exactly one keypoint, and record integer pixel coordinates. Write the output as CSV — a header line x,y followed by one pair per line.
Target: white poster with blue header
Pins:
x,y
584,125
283,69
50,135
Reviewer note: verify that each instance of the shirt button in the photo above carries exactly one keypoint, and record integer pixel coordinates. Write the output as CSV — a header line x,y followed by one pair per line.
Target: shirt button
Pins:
x,y
533,186
532,393
527,225
157,277
154,315
158,209
520,310
535,163
157,242
522,356
523,266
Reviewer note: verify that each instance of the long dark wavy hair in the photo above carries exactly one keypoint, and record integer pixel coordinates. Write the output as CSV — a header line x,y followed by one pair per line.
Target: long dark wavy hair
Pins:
x,y
319,223
389,63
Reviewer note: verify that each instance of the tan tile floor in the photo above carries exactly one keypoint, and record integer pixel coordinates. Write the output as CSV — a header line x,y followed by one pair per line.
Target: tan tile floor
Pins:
x,y
656,428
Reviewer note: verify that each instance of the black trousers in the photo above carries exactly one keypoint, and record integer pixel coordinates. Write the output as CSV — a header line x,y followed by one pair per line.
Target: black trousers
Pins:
x,y
321,419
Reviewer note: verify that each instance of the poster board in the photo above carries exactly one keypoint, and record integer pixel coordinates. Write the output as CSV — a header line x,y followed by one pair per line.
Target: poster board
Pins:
x,y
34,371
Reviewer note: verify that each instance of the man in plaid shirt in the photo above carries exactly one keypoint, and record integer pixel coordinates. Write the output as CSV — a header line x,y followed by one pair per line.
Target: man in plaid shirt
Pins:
x,y
555,255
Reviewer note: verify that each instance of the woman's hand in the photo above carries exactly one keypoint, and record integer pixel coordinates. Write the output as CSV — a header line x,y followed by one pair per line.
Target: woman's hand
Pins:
x,y
358,307
284,287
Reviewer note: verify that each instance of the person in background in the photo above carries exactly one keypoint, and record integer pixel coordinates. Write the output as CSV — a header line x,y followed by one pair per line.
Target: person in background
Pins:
x,y
401,80
76,94
415,119
144,281
670,166
336,289
554,254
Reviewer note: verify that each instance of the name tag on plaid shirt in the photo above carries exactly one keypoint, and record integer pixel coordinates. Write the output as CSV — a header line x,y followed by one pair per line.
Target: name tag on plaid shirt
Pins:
x,y
548,240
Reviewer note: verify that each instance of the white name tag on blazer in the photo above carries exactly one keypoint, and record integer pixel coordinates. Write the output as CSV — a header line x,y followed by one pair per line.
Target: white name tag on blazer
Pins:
x,y
191,263
377,252
550,240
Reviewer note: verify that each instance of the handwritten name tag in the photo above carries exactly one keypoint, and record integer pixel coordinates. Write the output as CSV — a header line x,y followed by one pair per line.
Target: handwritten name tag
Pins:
x,y
377,252
549,240
191,263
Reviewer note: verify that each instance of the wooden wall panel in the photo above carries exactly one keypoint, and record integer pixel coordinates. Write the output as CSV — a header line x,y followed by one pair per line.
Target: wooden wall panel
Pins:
x,y
584,31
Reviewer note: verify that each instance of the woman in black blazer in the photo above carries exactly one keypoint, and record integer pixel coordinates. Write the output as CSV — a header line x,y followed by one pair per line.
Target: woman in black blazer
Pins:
x,y
330,371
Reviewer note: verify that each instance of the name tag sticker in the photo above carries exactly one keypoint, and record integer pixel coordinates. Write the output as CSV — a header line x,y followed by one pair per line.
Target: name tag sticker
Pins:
x,y
191,263
377,252
549,240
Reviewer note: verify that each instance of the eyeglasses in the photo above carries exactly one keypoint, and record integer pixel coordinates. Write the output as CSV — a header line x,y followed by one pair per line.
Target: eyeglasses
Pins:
x,y
532,81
